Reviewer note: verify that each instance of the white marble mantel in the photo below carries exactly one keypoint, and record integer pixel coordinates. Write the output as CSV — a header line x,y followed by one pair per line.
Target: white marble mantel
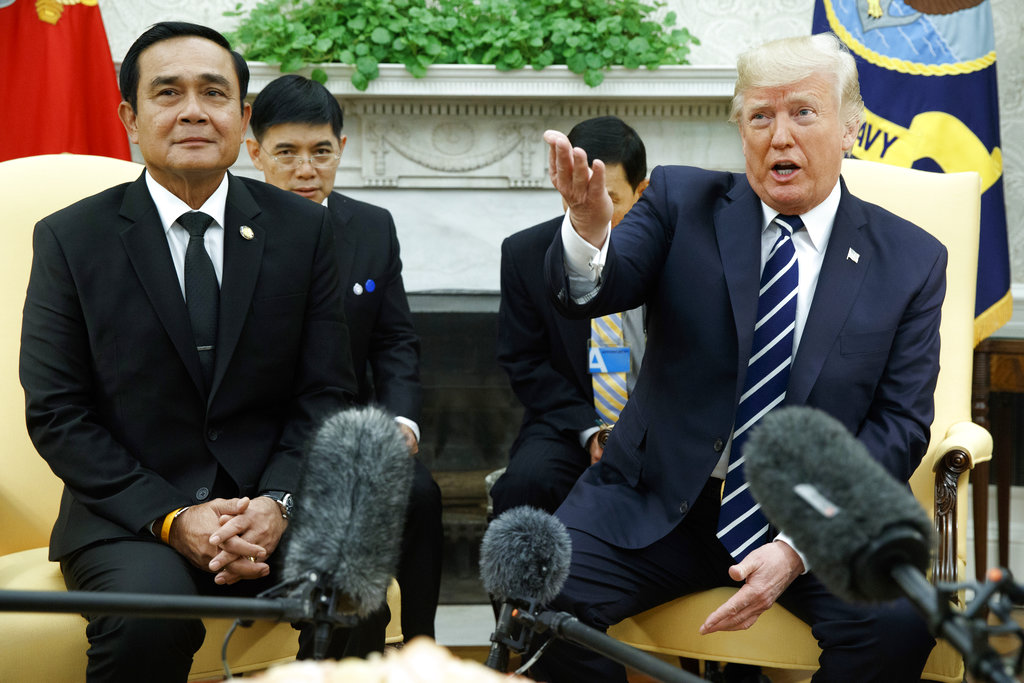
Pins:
x,y
474,80
457,156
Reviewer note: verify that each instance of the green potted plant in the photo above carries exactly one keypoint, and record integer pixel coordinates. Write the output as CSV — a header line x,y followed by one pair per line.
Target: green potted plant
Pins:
x,y
588,36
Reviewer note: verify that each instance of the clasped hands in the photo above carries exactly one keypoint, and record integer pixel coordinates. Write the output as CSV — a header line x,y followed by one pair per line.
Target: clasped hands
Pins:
x,y
232,538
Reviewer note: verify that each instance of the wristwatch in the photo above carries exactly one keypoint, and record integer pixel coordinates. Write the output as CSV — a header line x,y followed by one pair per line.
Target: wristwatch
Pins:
x,y
284,499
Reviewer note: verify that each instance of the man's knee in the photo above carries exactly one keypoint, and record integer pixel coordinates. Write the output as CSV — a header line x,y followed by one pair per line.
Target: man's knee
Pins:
x,y
539,474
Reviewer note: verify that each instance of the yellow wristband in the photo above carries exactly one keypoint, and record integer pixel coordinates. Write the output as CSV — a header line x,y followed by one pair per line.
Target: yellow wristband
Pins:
x,y
165,528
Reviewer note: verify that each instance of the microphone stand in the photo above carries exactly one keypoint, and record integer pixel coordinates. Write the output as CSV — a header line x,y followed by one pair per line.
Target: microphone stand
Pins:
x,y
896,557
314,600
533,619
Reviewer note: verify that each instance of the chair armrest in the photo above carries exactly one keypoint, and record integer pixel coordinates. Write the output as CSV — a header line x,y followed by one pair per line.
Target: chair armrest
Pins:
x,y
966,445
972,440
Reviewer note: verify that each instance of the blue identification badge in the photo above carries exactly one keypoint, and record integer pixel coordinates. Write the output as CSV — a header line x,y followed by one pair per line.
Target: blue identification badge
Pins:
x,y
608,359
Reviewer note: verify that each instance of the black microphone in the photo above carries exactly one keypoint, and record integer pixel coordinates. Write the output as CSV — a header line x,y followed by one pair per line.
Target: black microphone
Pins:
x,y
816,482
343,538
524,562
865,536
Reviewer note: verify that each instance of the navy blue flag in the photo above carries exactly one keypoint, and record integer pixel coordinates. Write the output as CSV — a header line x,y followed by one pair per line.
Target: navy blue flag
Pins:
x,y
931,103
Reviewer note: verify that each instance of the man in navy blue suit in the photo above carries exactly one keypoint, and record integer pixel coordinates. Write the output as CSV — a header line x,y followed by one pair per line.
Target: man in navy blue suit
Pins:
x,y
644,520
297,145
545,354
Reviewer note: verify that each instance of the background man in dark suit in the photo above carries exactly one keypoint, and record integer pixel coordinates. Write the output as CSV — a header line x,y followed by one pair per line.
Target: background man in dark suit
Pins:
x,y
863,346
298,144
173,375
545,354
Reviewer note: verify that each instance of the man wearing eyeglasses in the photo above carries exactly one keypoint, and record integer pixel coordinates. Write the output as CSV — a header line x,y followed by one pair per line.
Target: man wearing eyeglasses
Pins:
x,y
297,144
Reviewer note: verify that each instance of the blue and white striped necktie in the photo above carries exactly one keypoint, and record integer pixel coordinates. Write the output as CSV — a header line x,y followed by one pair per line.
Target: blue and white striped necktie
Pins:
x,y
741,524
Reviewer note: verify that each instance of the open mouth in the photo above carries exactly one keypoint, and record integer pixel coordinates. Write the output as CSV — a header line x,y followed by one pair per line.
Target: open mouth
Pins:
x,y
785,168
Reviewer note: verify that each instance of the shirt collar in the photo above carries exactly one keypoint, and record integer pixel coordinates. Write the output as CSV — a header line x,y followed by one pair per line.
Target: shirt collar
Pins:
x,y
817,222
170,206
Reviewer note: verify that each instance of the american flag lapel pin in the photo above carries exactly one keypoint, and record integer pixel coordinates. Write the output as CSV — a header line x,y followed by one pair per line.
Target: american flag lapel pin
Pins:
x,y
852,255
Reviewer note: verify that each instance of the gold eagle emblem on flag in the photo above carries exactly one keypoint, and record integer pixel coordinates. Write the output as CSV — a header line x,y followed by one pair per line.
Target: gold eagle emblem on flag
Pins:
x,y
50,10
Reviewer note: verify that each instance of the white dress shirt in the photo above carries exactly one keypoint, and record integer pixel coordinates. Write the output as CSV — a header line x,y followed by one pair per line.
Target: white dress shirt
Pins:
x,y
170,207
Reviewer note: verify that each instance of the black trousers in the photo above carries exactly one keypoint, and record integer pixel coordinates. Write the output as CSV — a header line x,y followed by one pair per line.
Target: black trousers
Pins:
x,y
419,563
126,648
886,643
542,469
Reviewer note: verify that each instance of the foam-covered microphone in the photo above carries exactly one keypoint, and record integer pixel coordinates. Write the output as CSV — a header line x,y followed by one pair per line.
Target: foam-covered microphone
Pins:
x,y
816,482
524,555
865,535
524,562
346,528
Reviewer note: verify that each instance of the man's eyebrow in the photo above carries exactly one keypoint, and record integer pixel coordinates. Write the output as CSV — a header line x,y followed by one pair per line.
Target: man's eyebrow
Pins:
x,y
215,78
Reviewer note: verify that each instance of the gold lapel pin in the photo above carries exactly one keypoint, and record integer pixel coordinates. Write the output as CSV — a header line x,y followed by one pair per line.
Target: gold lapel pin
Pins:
x,y
246,232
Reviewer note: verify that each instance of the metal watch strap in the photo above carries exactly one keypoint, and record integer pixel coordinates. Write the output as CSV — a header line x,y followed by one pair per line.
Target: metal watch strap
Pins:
x,y
284,499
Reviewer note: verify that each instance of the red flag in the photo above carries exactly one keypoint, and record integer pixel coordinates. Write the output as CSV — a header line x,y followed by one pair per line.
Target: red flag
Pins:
x,y
58,87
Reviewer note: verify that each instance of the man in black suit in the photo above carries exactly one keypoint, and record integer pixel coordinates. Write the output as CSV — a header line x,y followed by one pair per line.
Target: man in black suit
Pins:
x,y
182,337
546,355
297,145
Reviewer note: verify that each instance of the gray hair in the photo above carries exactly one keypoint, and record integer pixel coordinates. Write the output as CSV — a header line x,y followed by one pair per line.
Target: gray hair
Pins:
x,y
788,60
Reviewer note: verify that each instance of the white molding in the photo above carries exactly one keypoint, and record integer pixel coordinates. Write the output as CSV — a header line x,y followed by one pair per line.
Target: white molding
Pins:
x,y
474,81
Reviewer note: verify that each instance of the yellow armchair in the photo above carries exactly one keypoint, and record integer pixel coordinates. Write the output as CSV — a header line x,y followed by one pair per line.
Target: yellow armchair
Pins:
x,y
947,206
52,647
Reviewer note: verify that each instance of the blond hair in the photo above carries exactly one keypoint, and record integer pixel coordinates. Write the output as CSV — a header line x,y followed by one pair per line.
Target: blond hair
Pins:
x,y
788,60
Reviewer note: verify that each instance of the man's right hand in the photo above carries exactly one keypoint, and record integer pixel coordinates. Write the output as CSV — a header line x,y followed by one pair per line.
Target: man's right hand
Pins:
x,y
595,448
582,188
190,536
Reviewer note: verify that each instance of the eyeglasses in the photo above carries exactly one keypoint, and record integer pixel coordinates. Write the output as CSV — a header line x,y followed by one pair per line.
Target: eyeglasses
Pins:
x,y
318,160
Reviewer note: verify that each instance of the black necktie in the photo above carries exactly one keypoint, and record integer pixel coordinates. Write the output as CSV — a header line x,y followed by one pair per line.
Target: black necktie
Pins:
x,y
202,293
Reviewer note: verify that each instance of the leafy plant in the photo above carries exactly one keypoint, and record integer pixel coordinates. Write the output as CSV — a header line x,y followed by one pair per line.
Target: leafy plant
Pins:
x,y
588,36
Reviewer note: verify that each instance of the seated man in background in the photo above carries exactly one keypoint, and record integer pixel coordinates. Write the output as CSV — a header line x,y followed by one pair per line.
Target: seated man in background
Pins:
x,y
570,383
182,337
298,143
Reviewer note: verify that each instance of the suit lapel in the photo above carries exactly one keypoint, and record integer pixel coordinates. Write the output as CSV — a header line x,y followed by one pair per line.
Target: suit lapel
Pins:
x,y
738,230
242,260
146,244
838,285
344,239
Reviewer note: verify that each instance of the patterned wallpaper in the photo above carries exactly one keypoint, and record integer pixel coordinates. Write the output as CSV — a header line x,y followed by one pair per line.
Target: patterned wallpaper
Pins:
x,y
725,27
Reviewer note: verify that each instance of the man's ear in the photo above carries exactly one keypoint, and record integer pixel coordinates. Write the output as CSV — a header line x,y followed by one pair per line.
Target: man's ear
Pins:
x,y
640,188
254,153
127,116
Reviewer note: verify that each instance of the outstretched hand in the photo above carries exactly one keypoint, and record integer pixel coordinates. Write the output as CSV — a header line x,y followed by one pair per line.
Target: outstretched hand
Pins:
x,y
582,188
767,572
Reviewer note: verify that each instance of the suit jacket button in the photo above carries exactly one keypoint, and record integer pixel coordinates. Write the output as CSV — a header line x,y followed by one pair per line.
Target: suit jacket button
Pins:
x,y
202,493
719,446
684,507
213,434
